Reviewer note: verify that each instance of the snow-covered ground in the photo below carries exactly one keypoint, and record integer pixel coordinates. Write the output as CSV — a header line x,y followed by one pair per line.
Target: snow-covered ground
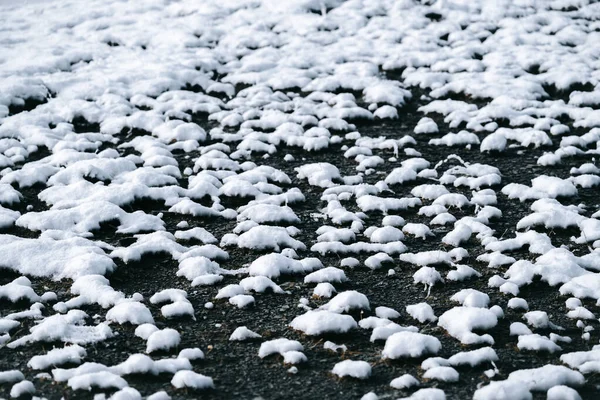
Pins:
x,y
302,198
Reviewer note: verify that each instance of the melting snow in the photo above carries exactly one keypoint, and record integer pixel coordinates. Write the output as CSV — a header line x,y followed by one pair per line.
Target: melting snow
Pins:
x,y
248,142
